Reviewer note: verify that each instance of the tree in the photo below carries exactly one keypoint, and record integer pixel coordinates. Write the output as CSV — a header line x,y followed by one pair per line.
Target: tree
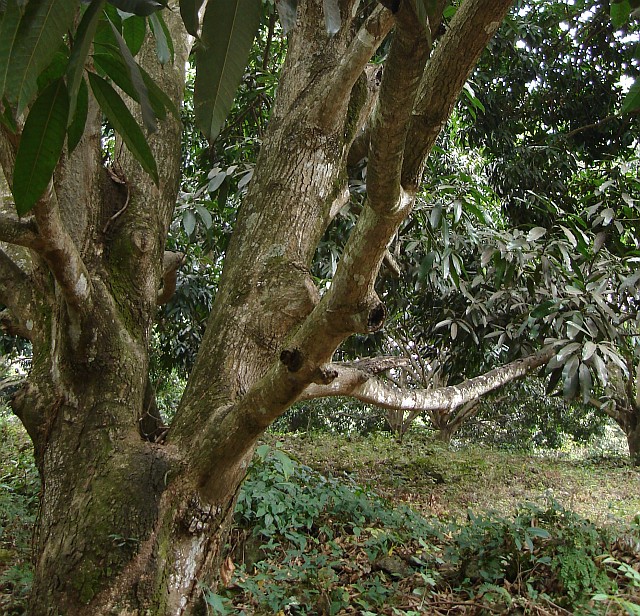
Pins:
x,y
131,525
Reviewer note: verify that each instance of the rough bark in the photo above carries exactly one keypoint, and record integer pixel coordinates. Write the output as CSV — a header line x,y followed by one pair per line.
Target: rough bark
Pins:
x,y
128,526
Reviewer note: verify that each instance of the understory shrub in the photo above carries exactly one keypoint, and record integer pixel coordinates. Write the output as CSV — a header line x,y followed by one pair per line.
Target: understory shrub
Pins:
x,y
308,544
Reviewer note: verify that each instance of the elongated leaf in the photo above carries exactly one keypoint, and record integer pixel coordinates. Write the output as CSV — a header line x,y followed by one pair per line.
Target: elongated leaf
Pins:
x,y
8,35
189,10
40,145
332,20
84,37
632,100
164,44
134,31
122,121
40,34
137,7
586,383
228,29
148,116
114,68
75,130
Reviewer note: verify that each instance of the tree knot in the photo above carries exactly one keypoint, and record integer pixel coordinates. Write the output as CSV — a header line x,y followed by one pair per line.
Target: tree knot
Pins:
x,y
292,359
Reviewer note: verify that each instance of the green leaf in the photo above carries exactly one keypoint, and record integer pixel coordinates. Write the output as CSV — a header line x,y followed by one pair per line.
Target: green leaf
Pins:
x,y
40,145
189,10
571,378
543,309
138,7
188,222
75,130
228,30
134,30
632,100
620,12
148,116
122,121
84,37
114,68
40,34
8,36
586,382
164,44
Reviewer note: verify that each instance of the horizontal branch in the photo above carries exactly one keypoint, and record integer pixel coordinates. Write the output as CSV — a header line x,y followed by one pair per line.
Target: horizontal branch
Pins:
x,y
367,387
20,232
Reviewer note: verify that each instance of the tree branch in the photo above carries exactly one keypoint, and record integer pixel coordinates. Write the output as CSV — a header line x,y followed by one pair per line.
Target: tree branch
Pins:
x,y
19,232
171,263
367,40
405,64
453,59
17,294
365,386
61,254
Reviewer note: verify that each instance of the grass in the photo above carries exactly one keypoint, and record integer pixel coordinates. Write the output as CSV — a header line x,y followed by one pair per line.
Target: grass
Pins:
x,y
436,480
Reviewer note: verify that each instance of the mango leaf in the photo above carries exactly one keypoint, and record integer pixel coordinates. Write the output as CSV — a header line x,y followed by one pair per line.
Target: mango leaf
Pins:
x,y
189,10
84,37
114,68
40,145
188,222
40,33
75,130
287,11
571,378
134,31
138,7
332,20
620,13
586,382
543,309
164,44
632,100
8,35
148,116
228,30
124,123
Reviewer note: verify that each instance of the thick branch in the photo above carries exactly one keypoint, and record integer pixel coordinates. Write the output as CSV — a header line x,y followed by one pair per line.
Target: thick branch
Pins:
x,y
453,59
367,40
20,232
401,78
368,388
62,255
